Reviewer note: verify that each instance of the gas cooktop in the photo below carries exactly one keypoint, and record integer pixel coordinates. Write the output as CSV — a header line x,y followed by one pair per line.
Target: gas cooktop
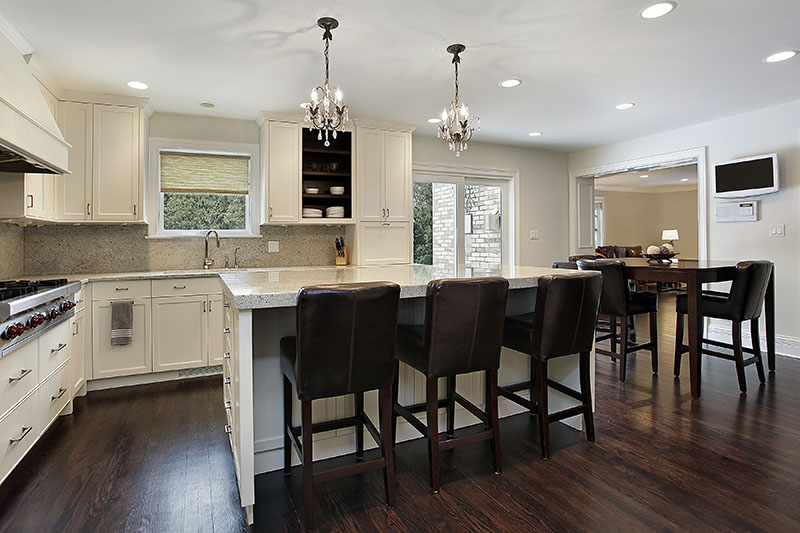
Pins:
x,y
21,296
14,289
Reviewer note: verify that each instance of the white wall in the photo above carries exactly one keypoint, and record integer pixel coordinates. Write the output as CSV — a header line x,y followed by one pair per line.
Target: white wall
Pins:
x,y
203,128
772,129
542,191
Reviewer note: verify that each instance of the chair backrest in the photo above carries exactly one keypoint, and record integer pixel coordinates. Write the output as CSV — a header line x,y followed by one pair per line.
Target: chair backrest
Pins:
x,y
565,315
575,258
749,287
464,321
615,296
565,264
345,338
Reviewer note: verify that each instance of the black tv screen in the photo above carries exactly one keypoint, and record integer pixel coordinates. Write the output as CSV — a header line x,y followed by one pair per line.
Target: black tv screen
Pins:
x,y
745,177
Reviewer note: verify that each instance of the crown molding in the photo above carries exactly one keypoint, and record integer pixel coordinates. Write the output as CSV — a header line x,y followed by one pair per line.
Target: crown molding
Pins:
x,y
98,98
11,32
653,189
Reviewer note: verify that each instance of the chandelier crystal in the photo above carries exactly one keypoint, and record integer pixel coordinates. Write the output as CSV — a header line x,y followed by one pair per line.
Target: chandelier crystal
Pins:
x,y
326,112
457,125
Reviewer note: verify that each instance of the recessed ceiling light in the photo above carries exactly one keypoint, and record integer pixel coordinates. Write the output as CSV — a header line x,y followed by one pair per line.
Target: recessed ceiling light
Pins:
x,y
304,105
645,176
535,134
138,85
434,120
208,105
624,106
684,179
658,9
777,57
513,82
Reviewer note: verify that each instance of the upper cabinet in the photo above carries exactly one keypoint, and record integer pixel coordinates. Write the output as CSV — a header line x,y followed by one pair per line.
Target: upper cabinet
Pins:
x,y
384,174
283,171
74,194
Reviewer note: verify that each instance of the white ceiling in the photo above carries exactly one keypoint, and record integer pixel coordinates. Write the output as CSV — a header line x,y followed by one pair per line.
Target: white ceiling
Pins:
x,y
577,59
657,181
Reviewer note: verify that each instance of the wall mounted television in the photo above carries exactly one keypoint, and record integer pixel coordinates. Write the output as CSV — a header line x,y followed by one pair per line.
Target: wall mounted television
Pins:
x,y
750,176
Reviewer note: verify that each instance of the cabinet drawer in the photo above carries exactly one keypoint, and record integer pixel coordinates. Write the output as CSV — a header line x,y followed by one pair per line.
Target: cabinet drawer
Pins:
x,y
54,348
54,395
19,374
186,286
18,431
121,290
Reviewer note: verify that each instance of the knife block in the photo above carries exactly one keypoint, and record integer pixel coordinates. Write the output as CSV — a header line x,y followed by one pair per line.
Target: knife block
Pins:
x,y
342,261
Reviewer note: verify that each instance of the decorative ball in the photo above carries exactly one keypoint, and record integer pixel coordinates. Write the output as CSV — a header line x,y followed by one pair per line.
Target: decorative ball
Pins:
x,y
653,250
667,248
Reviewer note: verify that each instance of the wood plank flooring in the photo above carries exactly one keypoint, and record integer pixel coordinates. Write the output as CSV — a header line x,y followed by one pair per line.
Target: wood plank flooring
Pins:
x,y
153,458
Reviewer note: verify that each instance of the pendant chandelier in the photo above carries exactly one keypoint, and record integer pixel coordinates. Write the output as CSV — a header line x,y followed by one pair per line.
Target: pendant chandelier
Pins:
x,y
457,126
326,112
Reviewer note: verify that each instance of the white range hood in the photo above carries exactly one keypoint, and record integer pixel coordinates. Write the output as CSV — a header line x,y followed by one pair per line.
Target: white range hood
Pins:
x,y
30,140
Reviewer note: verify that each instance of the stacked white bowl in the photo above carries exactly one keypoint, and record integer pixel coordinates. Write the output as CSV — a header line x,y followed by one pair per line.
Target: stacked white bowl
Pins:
x,y
337,190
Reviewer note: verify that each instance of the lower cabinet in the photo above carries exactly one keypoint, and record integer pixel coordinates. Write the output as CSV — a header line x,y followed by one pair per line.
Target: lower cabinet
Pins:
x,y
111,361
384,243
215,325
77,350
180,332
19,430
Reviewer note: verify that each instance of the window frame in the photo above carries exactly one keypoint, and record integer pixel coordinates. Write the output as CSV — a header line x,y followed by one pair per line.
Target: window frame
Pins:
x,y
155,198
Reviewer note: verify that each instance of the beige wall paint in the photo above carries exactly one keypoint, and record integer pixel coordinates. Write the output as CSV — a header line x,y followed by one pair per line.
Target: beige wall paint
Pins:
x,y
772,129
11,252
632,218
542,191
203,128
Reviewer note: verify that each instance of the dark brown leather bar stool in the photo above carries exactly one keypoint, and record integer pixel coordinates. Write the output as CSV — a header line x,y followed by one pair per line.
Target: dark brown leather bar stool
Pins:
x,y
562,323
619,302
463,332
344,345
744,302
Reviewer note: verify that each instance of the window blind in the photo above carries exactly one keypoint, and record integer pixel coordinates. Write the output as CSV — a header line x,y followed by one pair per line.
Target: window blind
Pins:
x,y
183,172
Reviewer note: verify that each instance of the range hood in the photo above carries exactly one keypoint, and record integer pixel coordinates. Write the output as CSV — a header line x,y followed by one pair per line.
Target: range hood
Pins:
x,y
30,140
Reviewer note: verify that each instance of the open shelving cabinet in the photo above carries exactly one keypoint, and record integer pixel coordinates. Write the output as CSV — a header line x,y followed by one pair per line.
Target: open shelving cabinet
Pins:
x,y
324,167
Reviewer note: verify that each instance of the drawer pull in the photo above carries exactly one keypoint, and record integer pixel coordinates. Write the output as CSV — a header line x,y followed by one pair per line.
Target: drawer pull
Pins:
x,y
25,431
61,392
23,373
61,346
227,381
227,404
226,330
226,355
120,288
228,429
179,287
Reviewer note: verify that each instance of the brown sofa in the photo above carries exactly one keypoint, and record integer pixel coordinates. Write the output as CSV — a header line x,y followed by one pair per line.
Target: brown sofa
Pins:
x,y
613,251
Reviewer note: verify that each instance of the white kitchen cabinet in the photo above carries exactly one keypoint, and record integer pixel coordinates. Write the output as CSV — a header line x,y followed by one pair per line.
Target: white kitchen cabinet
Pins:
x,y
115,163
180,332
283,171
215,325
111,361
384,175
27,196
384,243
74,191
40,189
77,351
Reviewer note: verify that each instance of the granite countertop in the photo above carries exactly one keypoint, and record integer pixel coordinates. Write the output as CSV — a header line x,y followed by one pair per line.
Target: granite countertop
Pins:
x,y
277,287
128,276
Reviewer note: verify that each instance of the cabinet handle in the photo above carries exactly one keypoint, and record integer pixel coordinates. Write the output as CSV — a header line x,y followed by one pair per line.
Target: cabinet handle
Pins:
x,y
76,329
226,304
228,429
179,287
134,209
88,209
226,330
30,200
209,306
227,404
226,355
204,307
24,372
120,288
270,211
388,212
226,381
25,431
61,346
61,392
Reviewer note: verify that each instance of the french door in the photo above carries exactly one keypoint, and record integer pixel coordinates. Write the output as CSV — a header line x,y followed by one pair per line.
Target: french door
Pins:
x,y
460,221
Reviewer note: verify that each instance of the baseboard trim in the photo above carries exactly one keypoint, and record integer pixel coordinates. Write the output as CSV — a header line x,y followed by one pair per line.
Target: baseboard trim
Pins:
x,y
143,379
784,345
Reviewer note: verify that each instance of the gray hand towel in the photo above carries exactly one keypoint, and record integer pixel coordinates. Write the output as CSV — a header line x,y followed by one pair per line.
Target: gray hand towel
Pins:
x,y
121,323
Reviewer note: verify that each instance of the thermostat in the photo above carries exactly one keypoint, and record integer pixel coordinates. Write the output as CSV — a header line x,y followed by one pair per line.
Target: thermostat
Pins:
x,y
737,211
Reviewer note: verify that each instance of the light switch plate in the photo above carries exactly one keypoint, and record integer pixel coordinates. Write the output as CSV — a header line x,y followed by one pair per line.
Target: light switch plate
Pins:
x,y
777,230
273,247
534,234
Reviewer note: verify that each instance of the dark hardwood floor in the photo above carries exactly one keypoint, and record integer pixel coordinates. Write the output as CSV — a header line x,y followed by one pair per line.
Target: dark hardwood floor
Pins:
x,y
153,458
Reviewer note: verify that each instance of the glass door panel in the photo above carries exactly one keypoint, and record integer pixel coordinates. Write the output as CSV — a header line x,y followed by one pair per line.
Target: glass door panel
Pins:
x,y
435,225
483,226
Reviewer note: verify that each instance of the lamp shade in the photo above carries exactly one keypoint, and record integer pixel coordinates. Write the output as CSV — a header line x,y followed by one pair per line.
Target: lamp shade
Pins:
x,y
669,235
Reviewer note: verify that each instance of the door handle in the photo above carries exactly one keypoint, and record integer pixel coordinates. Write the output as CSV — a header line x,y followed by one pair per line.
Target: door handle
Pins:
x,y
25,431
24,372
61,392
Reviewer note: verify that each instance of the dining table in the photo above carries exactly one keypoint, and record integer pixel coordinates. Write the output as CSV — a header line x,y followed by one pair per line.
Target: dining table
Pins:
x,y
694,273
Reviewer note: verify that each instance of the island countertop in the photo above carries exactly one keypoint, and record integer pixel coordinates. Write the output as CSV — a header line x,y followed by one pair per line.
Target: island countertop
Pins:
x,y
271,288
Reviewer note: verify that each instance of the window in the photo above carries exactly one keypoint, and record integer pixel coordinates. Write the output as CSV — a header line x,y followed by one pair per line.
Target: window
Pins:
x,y
197,187
598,221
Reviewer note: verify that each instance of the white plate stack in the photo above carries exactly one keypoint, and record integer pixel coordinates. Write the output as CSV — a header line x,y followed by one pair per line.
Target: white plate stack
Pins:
x,y
335,211
336,190
310,212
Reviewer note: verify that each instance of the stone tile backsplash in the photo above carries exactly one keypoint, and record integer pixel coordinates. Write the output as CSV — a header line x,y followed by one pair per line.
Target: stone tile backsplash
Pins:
x,y
11,252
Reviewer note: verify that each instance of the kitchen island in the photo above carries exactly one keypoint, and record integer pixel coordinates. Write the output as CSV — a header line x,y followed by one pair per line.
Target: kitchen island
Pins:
x,y
259,309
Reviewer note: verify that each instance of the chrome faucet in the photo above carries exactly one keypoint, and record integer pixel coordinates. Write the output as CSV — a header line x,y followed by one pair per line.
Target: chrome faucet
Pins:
x,y
208,262
236,257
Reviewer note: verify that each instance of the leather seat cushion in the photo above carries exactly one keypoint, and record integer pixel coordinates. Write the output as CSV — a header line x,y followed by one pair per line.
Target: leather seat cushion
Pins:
x,y
288,348
713,304
409,346
517,333
643,302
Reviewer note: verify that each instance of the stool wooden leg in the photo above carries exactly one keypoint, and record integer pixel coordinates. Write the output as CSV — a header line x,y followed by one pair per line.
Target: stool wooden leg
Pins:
x,y
757,350
586,392
532,392
612,325
654,340
678,344
359,401
451,405
623,350
287,423
541,407
432,407
737,355
386,409
395,391
494,418
308,466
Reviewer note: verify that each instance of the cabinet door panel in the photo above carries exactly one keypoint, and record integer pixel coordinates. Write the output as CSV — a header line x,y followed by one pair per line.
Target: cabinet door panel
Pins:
x,y
397,176
34,195
75,190
179,333
370,167
385,243
135,358
215,342
283,172
77,352
115,169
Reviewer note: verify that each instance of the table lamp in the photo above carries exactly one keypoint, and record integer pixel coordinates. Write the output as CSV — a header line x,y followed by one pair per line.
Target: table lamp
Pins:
x,y
670,235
